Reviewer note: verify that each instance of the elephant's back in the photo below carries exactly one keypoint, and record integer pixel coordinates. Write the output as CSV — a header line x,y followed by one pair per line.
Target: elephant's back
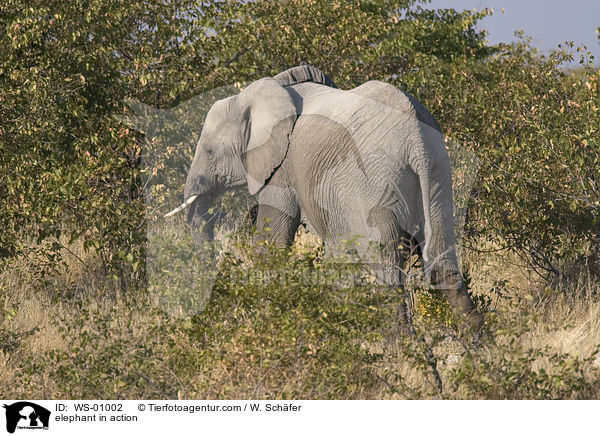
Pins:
x,y
304,73
397,99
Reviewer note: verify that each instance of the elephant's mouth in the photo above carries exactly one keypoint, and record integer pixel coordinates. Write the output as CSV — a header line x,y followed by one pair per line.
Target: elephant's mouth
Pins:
x,y
202,219
198,210
198,214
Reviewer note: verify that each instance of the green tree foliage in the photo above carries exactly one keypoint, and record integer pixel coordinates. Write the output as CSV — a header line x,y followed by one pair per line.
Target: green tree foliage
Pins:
x,y
69,166
71,169
352,41
535,128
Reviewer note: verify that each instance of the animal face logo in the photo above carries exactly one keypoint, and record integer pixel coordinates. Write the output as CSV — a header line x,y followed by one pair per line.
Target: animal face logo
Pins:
x,y
26,415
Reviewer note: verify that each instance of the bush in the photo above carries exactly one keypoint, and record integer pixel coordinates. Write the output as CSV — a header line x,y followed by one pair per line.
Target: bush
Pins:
x,y
72,171
534,128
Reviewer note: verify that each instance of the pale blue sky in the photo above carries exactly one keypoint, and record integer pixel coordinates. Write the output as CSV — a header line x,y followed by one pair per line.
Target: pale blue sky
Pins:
x,y
548,22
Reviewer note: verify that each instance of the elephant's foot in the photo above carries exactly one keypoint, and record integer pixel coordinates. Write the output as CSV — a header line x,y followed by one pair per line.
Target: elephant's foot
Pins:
x,y
403,317
401,322
462,303
470,320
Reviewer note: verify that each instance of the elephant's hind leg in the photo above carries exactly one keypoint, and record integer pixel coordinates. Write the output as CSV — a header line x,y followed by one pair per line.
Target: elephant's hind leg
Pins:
x,y
392,254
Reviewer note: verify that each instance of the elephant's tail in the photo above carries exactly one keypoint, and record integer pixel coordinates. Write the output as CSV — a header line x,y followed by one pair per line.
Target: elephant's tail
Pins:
x,y
422,166
424,178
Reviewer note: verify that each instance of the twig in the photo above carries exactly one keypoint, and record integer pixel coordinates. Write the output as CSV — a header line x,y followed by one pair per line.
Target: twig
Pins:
x,y
73,254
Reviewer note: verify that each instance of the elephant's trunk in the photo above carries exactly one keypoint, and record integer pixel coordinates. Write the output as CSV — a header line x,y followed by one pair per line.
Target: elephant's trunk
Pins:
x,y
439,250
442,266
201,220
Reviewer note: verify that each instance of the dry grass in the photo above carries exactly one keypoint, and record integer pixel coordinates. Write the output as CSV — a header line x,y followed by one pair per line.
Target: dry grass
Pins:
x,y
569,311
270,345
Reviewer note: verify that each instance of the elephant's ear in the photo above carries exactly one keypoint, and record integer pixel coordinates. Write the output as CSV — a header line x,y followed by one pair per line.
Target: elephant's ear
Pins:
x,y
269,113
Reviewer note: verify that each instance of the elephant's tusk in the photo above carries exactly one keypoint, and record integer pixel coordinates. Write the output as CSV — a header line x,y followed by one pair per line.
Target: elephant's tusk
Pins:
x,y
185,204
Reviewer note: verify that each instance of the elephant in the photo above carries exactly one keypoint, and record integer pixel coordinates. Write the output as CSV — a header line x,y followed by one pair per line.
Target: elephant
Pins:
x,y
370,161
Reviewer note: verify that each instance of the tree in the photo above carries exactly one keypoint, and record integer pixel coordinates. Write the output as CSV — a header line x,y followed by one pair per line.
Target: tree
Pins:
x,y
69,166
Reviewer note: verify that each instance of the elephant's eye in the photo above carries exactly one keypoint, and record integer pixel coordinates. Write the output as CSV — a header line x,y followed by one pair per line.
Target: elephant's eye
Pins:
x,y
210,153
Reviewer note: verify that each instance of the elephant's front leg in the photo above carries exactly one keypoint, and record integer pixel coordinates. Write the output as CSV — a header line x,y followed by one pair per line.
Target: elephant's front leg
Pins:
x,y
275,225
278,215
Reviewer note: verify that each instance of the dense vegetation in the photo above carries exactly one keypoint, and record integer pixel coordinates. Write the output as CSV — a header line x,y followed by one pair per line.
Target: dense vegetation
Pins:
x,y
75,229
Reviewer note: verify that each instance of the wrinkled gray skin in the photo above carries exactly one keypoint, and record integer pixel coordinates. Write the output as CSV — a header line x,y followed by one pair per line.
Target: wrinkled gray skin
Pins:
x,y
370,161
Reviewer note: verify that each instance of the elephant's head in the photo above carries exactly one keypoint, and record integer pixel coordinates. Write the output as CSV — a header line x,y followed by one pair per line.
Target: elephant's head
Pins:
x,y
243,141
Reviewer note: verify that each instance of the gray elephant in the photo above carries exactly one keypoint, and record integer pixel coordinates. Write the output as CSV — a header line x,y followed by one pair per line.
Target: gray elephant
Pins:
x,y
368,162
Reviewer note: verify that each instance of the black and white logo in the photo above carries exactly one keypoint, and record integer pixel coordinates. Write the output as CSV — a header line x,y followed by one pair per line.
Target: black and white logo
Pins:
x,y
26,415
